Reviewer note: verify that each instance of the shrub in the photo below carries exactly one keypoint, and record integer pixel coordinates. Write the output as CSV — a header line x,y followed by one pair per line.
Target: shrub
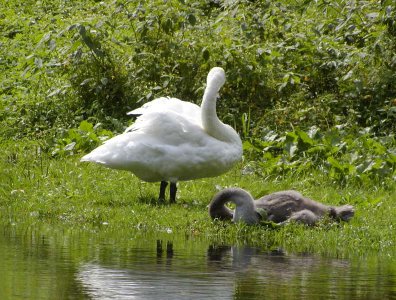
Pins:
x,y
85,138
97,60
345,157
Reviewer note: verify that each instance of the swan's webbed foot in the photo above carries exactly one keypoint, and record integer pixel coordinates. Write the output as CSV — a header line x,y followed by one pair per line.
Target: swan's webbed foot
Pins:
x,y
172,192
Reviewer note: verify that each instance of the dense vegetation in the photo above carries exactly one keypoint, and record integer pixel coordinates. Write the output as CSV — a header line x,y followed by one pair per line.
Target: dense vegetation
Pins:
x,y
310,88
310,83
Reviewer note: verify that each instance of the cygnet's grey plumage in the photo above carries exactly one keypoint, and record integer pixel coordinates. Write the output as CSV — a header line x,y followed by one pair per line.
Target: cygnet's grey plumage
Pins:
x,y
279,207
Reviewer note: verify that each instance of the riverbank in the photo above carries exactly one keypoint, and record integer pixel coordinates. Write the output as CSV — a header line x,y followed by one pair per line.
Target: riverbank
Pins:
x,y
37,189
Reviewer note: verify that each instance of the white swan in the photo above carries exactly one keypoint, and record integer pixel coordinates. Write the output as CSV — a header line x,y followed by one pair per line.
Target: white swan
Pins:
x,y
279,207
173,140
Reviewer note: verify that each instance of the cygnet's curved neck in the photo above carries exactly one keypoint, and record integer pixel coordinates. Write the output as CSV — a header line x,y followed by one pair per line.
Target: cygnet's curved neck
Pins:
x,y
245,209
217,208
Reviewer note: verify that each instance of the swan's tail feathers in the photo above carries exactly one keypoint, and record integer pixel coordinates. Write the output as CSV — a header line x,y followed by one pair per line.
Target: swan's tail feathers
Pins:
x,y
138,111
342,213
135,115
86,158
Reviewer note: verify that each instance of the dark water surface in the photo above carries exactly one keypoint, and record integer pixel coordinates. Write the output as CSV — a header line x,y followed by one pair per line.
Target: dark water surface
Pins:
x,y
43,262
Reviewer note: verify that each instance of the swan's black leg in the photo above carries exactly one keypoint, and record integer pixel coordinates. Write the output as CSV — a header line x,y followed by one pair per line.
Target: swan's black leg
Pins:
x,y
163,186
173,189
169,249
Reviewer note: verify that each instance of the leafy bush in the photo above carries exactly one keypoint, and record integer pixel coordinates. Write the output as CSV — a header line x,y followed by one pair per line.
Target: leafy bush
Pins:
x,y
98,80
83,139
345,157
97,60
62,63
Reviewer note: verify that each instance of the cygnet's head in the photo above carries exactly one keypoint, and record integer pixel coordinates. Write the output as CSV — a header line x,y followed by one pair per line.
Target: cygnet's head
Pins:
x,y
216,78
245,208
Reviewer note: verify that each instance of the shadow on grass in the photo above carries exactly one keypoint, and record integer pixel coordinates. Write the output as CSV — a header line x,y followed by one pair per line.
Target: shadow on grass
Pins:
x,y
151,200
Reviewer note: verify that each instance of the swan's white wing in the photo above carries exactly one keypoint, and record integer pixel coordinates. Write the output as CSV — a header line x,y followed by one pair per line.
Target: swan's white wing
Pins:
x,y
165,103
168,142
189,110
166,146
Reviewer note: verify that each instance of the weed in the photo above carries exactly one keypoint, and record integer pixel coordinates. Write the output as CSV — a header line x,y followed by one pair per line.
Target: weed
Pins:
x,y
360,157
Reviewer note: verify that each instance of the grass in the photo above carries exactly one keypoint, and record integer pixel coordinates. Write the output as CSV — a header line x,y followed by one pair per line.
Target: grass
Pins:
x,y
37,189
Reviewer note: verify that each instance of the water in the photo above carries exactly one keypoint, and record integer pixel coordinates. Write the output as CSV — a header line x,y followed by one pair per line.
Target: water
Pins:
x,y
42,262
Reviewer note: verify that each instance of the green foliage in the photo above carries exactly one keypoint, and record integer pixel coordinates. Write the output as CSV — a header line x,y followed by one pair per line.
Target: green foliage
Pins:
x,y
64,62
314,99
345,157
83,139
37,189
97,78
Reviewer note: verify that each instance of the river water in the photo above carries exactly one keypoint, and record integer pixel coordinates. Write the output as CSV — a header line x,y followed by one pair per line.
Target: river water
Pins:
x,y
47,262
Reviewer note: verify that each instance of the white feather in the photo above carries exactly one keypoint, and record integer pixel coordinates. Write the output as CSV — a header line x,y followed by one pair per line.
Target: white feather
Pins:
x,y
174,140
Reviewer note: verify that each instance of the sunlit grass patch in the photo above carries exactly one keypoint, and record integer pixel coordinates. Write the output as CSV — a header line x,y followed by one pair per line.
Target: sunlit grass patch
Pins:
x,y
36,188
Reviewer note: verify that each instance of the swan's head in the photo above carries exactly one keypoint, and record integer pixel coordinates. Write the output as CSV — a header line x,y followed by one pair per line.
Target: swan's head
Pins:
x,y
216,78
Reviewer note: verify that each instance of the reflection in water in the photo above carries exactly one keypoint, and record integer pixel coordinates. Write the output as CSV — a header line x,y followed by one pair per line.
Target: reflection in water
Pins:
x,y
35,265
171,276
233,273
45,263
160,251
108,283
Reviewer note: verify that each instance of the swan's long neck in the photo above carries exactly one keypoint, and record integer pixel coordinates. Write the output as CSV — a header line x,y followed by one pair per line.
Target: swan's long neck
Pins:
x,y
210,121
245,209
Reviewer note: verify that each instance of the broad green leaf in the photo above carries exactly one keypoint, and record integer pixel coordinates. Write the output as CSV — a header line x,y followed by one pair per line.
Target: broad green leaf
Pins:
x,y
86,126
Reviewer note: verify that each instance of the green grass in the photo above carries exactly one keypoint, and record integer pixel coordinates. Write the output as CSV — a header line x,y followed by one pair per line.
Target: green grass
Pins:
x,y
314,101
37,189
